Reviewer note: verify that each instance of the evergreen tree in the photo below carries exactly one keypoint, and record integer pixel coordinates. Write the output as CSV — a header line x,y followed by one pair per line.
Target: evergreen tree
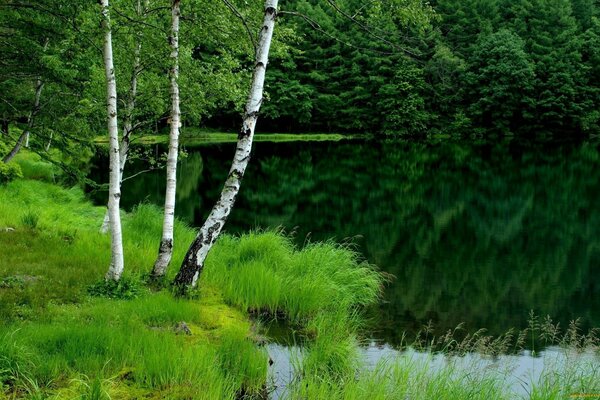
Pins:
x,y
500,81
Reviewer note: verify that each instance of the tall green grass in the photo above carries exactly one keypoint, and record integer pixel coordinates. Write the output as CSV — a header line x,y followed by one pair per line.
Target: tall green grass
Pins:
x,y
468,367
135,344
263,271
59,341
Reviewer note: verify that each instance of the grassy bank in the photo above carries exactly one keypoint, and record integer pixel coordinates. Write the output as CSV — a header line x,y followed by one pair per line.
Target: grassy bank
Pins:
x,y
193,136
60,342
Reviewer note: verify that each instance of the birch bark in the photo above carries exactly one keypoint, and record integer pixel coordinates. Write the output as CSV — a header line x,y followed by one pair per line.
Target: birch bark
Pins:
x,y
165,250
114,194
129,107
193,262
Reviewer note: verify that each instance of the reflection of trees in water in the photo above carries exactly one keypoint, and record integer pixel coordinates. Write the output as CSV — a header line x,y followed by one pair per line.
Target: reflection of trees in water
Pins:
x,y
474,233
479,233
189,177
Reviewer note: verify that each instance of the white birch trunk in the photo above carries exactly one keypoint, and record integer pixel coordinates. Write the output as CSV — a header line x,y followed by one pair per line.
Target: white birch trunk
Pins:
x,y
165,250
193,262
128,114
39,86
114,193
47,148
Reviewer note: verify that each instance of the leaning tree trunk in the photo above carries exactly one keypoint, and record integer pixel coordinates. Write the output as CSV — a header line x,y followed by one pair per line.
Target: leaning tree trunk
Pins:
x,y
193,262
128,114
39,86
165,250
114,194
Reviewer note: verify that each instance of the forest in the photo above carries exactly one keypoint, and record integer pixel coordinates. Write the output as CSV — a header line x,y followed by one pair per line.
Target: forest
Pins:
x,y
400,67
317,199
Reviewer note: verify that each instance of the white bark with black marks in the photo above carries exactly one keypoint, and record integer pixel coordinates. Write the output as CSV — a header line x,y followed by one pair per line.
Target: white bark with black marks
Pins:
x,y
129,107
114,192
166,244
193,262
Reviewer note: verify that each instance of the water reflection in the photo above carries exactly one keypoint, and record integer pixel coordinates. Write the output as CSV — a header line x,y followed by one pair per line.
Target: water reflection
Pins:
x,y
479,233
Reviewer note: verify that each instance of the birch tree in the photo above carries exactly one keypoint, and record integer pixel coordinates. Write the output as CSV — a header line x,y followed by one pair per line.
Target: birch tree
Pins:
x,y
193,263
114,192
129,107
165,250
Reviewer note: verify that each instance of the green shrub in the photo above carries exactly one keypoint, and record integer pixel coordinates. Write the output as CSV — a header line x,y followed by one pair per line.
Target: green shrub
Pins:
x,y
11,282
9,171
126,288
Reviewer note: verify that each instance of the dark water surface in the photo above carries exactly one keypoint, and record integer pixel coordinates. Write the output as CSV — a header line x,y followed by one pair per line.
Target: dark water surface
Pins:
x,y
474,232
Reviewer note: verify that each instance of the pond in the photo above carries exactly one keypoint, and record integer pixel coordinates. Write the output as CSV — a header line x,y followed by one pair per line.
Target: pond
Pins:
x,y
473,232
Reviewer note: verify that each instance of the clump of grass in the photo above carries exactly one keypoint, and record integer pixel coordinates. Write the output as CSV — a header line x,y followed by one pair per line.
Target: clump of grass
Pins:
x,y
406,377
333,354
92,389
263,271
243,363
15,360
30,219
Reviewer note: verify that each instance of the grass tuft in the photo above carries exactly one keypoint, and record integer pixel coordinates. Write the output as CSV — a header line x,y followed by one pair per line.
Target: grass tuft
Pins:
x,y
263,271
30,219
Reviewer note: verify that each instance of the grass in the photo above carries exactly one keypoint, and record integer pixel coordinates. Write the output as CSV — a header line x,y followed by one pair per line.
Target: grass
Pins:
x,y
192,136
467,367
264,272
33,167
59,341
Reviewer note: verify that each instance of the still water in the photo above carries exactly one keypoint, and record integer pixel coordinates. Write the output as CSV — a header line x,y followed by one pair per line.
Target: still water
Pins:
x,y
473,232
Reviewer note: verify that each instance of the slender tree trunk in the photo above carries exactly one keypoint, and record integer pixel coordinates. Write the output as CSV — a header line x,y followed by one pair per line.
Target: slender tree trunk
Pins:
x,y
39,86
49,142
193,262
128,114
38,91
114,194
165,250
4,127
